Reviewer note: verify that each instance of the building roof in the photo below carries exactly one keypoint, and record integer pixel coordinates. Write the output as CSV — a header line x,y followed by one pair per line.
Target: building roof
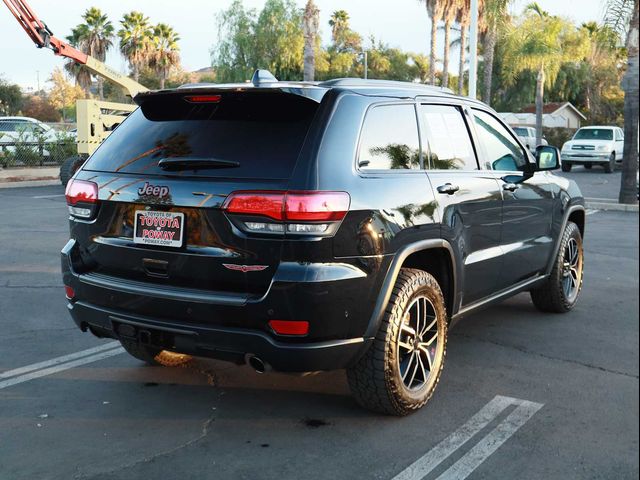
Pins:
x,y
553,107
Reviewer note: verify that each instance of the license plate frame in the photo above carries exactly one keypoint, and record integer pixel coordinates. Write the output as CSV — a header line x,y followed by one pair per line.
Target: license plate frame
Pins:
x,y
158,228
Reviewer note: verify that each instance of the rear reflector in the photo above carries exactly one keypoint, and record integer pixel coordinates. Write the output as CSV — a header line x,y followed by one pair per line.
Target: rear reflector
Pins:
x,y
289,327
291,206
203,98
69,292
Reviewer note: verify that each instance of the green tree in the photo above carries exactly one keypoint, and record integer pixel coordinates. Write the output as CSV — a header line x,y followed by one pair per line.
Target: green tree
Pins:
x,y
272,39
622,15
540,43
94,37
164,53
135,37
10,98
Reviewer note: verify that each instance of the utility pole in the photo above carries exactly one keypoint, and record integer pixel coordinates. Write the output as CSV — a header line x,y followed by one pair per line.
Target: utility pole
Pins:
x,y
364,52
473,50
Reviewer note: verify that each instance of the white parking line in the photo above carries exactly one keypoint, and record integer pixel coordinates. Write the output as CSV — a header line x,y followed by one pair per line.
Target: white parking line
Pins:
x,y
58,360
59,368
489,444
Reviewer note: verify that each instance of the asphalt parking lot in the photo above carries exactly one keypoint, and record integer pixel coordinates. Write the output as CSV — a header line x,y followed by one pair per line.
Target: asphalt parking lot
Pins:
x,y
523,395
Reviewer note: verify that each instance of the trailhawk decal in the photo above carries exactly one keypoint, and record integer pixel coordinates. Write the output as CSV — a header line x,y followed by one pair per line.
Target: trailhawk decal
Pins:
x,y
245,268
158,228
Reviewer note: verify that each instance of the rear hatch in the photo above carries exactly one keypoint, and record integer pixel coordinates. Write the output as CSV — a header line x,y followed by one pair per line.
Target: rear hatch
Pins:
x,y
163,177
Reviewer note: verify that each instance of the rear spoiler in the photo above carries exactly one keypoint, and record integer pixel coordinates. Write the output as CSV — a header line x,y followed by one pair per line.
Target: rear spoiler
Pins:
x,y
309,91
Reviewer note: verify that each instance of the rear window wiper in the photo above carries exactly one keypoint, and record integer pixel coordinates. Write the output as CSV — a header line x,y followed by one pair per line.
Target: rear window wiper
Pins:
x,y
183,163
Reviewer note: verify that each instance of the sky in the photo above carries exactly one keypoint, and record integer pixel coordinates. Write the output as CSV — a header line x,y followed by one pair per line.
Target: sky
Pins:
x,y
401,23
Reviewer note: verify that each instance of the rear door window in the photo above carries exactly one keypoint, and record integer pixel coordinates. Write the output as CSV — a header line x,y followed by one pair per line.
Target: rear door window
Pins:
x,y
257,135
448,139
389,139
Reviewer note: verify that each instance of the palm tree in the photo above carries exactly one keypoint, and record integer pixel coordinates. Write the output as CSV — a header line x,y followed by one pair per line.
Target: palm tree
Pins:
x,y
435,9
94,38
164,51
310,24
339,23
77,71
494,17
449,15
619,14
135,38
464,19
541,43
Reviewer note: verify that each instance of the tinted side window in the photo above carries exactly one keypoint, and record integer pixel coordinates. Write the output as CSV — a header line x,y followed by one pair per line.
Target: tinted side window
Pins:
x,y
501,149
389,139
450,146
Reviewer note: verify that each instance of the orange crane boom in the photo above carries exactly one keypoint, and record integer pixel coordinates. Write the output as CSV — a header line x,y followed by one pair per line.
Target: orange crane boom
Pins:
x,y
40,33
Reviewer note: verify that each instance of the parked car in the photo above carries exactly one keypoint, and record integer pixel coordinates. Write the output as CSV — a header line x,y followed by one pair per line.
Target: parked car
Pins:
x,y
305,227
527,136
31,132
595,145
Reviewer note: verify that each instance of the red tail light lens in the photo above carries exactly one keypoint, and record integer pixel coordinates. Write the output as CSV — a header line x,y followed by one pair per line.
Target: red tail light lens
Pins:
x,y
289,327
263,204
291,206
316,206
81,191
82,198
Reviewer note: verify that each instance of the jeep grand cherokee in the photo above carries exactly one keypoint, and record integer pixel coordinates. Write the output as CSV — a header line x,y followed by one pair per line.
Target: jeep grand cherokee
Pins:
x,y
315,226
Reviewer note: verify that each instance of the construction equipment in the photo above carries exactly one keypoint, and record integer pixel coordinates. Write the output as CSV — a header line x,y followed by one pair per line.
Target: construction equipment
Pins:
x,y
96,119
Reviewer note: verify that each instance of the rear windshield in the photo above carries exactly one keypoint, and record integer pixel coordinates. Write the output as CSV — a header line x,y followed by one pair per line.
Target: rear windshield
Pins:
x,y
255,135
594,134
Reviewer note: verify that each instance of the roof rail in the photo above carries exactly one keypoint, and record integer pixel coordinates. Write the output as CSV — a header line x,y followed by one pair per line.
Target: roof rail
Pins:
x,y
360,82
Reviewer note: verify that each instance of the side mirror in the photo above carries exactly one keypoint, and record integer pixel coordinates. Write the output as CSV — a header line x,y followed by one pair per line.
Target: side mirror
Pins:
x,y
547,158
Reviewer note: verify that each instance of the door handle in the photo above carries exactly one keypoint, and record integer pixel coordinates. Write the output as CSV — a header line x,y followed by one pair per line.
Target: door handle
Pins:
x,y
448,188
510,187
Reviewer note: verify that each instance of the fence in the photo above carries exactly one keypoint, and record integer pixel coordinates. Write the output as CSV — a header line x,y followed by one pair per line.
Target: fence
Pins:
x,y
26,143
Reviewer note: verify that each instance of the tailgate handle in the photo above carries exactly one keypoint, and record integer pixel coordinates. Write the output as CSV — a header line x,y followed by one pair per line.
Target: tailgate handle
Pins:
x,y
155,268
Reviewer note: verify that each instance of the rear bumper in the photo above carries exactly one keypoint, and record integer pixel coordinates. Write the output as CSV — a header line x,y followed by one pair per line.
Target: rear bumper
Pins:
x,y
222,343
231,326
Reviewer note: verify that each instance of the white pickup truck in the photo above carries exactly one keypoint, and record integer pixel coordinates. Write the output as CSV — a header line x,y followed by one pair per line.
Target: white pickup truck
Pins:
x,y
595,145
527,136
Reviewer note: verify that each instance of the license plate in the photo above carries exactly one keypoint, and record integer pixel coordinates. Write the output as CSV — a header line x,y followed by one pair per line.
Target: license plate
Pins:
x,y
158,228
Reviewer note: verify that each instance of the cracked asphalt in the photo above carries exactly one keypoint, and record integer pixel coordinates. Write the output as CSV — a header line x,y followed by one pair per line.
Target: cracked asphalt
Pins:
x,y
117,419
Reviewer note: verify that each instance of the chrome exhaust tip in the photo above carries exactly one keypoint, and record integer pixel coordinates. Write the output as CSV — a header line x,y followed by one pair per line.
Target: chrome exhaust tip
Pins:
x,y
257,364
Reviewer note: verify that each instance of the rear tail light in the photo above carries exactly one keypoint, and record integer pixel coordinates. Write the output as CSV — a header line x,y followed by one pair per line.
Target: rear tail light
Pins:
x,y
298,213
69,292
82,198
289,327
203,98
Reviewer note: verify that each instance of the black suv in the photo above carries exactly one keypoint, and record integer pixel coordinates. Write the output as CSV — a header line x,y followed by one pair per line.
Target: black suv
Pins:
x,y
315,226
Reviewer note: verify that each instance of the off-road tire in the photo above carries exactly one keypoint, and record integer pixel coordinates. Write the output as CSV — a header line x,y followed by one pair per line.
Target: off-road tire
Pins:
x,y
566,166
610,166
550,296
69,167
375,380
154,356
